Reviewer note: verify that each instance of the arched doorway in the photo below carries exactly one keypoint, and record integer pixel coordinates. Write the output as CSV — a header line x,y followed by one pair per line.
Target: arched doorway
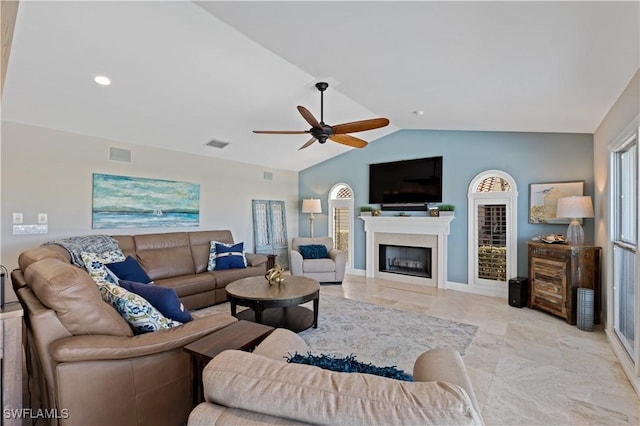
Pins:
x,y
341,218
493,242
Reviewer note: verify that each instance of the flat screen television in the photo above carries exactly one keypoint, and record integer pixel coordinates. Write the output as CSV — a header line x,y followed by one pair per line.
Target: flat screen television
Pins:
x,y
406,185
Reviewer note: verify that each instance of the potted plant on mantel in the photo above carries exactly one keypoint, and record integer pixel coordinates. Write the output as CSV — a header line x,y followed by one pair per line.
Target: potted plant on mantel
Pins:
x,y
446,209
366,210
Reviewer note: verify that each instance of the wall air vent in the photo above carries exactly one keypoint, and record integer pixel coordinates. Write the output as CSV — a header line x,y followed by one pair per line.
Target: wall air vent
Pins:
x,y
119,154
217,144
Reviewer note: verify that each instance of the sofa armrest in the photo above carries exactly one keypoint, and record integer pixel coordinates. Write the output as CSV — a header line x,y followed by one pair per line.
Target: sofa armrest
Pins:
x,y
295,263
280,343
340,258
102,347
254,259
444,365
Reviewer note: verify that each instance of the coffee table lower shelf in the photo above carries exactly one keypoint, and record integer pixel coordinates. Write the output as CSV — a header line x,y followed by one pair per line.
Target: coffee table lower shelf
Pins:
x,y
294,318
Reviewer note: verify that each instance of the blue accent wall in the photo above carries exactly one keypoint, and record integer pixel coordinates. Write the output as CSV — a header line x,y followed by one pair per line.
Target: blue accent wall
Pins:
x,y
527,157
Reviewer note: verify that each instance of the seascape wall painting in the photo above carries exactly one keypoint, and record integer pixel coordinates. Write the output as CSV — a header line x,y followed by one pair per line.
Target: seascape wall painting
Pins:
x,y
130,202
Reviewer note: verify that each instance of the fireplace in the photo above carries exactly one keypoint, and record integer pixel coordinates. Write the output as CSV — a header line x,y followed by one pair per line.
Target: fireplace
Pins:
x,y
405,260
428,234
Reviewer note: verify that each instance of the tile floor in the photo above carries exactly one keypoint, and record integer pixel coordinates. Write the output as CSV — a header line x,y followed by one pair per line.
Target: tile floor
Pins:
x,y
527,367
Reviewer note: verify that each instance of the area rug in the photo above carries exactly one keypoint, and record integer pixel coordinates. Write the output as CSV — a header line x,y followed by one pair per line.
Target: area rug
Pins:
x,y
377,334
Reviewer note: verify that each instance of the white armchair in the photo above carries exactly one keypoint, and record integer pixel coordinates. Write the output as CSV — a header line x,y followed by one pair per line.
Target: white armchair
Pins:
x,y
325,270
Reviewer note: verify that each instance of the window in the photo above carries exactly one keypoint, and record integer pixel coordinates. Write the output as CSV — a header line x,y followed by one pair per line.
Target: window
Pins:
x,y
492,232
624,171
341,218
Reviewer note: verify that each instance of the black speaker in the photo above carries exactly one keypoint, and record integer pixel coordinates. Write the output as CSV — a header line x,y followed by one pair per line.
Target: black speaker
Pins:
x,y
518,292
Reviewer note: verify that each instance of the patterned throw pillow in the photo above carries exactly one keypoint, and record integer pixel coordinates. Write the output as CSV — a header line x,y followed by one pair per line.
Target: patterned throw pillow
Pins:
x,y
139,313
213,255
230,256
211,266
314,251
94,263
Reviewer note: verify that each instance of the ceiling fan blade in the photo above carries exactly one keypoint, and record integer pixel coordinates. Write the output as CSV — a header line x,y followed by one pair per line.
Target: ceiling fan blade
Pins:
x,y
282,132
309,118
309,142
349,140
360,126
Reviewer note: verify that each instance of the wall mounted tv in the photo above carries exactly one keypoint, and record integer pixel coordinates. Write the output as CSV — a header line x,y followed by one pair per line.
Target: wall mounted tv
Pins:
x,y
406,185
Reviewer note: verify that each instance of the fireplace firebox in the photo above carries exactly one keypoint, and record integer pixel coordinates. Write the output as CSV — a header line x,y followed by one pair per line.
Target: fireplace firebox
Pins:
x,y
405,260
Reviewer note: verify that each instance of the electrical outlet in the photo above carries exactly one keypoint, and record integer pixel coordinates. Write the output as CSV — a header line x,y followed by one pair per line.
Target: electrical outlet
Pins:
x,y
18,219
30,229
42,218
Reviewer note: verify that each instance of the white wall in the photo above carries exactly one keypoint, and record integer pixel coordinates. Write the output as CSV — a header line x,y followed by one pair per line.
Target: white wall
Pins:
x,y
625,112
622,113
50,171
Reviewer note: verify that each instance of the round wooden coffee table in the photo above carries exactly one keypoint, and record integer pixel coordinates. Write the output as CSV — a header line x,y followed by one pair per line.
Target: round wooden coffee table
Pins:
x,y
276,305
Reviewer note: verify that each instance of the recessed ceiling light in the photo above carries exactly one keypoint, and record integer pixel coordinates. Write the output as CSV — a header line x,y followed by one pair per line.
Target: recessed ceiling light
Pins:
x,y
102,80
418,112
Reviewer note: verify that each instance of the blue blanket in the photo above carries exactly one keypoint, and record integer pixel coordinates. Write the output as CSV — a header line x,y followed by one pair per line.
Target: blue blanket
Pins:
x,y
88,243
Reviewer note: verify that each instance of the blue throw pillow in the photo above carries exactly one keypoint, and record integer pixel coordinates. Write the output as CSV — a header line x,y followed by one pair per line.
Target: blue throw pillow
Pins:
x,y
314,251
164,299
129,270
230,256
348,364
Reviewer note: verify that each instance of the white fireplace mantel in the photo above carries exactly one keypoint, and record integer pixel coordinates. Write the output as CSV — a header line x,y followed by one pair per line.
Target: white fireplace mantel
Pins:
x,y
412,225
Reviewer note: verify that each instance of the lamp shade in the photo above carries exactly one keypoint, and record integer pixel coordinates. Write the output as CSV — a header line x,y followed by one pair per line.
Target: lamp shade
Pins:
x,y
575,207
311,205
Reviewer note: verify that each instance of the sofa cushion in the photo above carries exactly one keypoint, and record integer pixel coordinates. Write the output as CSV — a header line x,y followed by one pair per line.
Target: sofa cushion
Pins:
x,y
240,379
75,298
94,263
126,244
129,270
229,256
33,255
164,255
319,265
314,251
226,276
186,285
162,298
136,310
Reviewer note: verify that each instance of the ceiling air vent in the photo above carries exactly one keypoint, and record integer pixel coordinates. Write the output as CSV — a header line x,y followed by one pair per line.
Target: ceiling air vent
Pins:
x,y
217,144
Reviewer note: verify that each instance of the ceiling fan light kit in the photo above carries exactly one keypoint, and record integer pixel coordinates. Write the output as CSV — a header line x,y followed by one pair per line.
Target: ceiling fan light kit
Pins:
x,y
320,131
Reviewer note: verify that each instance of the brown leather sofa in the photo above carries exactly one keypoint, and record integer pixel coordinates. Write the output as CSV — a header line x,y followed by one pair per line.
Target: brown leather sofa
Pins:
x,y
178,260
85,365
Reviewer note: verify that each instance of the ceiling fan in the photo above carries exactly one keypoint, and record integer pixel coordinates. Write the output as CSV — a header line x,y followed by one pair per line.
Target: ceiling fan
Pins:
x,y
320,131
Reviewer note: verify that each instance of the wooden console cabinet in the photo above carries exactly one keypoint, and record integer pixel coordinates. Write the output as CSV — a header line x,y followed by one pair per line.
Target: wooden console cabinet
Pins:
x,y
555,273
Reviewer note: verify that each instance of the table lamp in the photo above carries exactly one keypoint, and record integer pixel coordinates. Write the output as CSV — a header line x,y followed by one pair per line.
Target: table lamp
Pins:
x,y
575,208
311,206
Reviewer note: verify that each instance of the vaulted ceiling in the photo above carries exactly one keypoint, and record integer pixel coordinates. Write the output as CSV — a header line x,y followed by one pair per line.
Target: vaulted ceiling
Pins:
x,y
184,73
